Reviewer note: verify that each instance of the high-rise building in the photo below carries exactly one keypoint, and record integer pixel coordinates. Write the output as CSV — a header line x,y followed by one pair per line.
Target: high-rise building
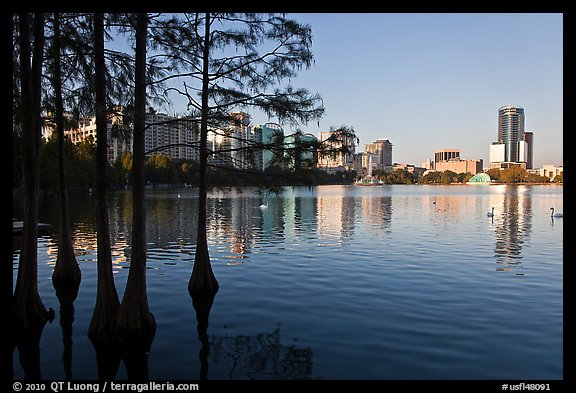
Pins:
x,y
241,135
529,139
511,131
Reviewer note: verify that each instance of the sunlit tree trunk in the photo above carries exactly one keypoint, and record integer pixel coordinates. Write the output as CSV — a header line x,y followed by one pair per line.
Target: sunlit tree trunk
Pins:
x,y
107,303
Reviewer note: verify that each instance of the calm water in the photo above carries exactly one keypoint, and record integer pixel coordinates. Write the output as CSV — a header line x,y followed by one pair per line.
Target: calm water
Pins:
x,y
333,282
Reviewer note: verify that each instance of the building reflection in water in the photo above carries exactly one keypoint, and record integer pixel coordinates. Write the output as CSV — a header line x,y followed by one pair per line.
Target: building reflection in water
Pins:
x,y
512,226
240,235
335,217
236,225
377,213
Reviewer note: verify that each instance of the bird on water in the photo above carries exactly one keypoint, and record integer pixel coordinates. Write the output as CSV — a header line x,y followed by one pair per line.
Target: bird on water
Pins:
x,y
552,214
491,213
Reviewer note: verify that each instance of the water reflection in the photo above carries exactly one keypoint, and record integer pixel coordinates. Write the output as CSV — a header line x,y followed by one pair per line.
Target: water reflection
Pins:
x,y
261,356
202,303
107,360
237,226
512,229
377,212
66,295
365,229
336,218
84,242
447,211
27,342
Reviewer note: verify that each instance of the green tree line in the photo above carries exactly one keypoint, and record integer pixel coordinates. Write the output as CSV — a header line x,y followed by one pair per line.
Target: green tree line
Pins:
x,y
513,174
161,169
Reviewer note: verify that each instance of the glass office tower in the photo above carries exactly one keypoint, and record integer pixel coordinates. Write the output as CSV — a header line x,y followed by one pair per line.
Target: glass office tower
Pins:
x,y
511,131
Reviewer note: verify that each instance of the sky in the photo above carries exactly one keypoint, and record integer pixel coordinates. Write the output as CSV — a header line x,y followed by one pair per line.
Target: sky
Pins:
x,y
435,81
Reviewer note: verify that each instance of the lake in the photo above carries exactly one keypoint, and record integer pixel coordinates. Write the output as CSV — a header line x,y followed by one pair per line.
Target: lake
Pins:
x,y
386,282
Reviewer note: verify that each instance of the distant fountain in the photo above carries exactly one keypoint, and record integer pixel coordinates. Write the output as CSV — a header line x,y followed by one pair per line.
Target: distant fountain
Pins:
x,y
370,167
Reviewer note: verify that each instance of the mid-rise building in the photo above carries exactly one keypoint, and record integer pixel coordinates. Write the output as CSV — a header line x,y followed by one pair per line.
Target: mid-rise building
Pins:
x,y
301,150
383,149
461,166
446,154
119,135
497,152
428,164
175,137
549,170
342,149
449,159
370,162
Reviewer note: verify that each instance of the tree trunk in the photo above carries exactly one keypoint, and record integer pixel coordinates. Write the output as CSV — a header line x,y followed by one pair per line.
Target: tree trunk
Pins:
x,y
105,313
136,325
29,311
66,272
203,279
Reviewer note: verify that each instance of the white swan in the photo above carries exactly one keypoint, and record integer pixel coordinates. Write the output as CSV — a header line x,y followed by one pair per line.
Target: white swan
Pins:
x,y
491,213
264,206
552,214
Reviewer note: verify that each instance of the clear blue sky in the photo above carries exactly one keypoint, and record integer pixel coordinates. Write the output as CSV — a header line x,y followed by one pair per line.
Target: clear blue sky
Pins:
x,y
433,81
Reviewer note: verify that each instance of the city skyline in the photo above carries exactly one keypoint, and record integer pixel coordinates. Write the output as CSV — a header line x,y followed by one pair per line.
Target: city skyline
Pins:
x,y
433,81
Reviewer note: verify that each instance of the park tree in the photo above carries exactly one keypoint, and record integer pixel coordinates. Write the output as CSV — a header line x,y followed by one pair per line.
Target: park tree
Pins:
x,y
448,176
136,324
494,174
103,322
229,61
514,174
559,178
29,313
29,310
119,78
67,275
